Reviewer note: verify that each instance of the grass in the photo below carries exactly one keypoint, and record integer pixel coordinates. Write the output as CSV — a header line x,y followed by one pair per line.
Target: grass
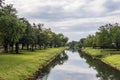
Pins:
x,y
109,56
95,52
22,66
113,60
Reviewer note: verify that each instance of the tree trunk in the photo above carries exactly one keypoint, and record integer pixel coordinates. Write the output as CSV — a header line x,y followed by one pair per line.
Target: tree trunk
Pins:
x,y
22,46
17,48
5,47
35,46
11,47
117,46
32,47
27,46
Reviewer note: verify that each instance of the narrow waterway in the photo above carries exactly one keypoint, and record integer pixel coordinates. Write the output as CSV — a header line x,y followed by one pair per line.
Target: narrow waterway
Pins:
x,y
75,65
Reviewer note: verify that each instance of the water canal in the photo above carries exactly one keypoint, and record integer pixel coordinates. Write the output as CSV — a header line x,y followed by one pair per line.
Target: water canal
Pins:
x,y
75,65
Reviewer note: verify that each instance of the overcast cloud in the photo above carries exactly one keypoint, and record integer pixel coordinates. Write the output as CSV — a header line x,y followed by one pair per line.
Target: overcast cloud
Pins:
x,y
74,18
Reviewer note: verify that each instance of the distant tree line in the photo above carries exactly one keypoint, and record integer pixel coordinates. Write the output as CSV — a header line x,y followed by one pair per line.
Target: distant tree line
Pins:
x,y
76,44
16,33
73,44
108,36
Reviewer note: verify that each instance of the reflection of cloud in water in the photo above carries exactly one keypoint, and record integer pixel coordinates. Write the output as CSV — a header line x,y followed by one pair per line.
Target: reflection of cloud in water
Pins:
x,y
74,59
68,75
73,69
74,56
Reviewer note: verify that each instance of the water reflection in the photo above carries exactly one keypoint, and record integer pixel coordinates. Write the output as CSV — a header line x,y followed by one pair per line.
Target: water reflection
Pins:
x,y
73,50
79,66
58,61
75,68
104,72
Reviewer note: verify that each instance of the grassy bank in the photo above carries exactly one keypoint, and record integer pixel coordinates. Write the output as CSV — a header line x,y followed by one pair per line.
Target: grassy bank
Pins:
x,y
113,60
22,66
108,56
95,52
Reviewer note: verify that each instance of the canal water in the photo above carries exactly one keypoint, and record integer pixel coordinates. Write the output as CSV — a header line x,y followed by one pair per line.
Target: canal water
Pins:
x,y
75,65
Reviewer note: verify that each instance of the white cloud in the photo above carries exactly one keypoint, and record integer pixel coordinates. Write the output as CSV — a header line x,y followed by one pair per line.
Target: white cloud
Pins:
x,y
67,16
77,35
116,0
68,25
73,6
33,6
96,7
116,12
80,21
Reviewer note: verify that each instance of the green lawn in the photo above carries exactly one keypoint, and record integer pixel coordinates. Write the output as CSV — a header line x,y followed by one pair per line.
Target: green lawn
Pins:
x,y
113,60
95,52
21,66
109,56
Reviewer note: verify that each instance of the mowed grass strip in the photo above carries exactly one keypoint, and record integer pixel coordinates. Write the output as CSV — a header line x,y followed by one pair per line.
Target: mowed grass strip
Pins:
x,y
113,60
95,52
109,56
22,66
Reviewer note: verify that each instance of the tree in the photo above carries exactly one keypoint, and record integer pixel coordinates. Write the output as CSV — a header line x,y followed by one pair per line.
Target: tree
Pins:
x,y
10,24
15,31
103,36
107,37
115,33
89,41
28,38
65,40
73,44
81,42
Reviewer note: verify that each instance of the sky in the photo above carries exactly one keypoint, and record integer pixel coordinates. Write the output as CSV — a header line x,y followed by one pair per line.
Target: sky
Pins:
x,y
76,19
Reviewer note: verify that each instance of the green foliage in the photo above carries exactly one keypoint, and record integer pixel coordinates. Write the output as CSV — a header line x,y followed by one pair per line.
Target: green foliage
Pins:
x,y
15,31
74,44
11,27
89,41
115,32
107,37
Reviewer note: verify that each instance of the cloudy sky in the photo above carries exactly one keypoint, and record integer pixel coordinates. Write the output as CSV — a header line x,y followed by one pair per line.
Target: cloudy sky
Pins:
x,y
74,18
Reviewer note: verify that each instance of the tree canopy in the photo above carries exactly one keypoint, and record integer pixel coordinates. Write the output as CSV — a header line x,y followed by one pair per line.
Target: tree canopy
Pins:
x,y
108,36
16,33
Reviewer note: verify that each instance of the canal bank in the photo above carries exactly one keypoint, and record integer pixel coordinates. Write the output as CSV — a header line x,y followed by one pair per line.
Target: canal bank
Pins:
x,y
49,61
76,65
24,66
107,56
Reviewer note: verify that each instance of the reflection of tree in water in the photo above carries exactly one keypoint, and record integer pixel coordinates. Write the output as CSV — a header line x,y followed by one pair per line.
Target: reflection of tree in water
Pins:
x,y
59,60
105,72
73,50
